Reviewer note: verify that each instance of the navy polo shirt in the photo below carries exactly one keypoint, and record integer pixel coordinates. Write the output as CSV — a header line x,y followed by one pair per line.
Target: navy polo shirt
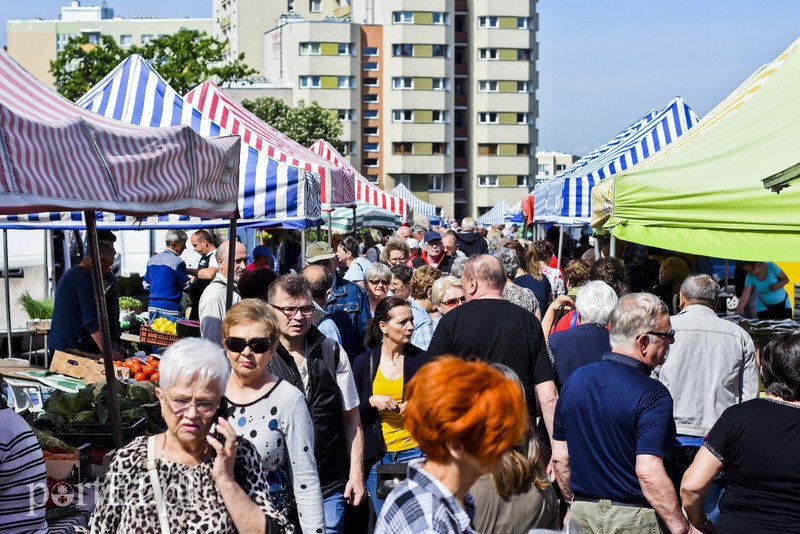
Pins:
x,y
608,413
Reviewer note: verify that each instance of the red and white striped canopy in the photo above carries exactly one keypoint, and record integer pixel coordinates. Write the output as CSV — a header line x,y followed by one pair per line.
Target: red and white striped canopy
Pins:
x,y
57,156
338,184
366,191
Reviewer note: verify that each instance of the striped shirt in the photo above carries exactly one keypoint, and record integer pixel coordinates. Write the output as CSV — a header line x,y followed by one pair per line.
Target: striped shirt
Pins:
x,y
421,504
23,485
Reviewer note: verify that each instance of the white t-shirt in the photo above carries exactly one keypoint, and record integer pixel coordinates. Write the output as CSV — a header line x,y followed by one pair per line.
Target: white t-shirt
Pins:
x,y
355,273
344,378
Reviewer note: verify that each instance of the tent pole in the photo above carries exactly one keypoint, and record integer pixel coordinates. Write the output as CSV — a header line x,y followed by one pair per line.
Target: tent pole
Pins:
x,y
8,289
105,335
45,263
560,243
355,231
612,249
231,264
596,247
330,229
302,248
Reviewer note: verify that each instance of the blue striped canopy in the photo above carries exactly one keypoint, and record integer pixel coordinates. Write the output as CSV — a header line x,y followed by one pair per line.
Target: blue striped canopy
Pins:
x,y
496,215
270,192
418,205
566,199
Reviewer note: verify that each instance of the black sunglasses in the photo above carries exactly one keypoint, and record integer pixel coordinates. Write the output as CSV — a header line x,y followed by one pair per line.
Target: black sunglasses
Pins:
x,y
256,344
669,336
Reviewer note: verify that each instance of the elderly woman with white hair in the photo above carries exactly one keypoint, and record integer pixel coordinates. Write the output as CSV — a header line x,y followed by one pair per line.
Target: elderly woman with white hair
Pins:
x,y
521,296
587,342
190,478
378,278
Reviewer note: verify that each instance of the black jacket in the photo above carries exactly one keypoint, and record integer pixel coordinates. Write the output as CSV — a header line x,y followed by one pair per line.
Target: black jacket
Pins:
x,y
324,400
414,358
471,243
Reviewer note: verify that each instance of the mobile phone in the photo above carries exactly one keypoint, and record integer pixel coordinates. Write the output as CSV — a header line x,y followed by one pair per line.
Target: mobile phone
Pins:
x,y
222,411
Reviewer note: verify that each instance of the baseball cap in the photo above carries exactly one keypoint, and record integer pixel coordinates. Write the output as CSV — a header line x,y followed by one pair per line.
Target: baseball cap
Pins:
x,y
319,251
412,243
431,236
259,251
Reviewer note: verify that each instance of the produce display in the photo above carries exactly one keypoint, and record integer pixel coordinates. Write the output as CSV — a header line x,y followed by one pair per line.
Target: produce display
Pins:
x,y
129,303
140,370
164,325
90,404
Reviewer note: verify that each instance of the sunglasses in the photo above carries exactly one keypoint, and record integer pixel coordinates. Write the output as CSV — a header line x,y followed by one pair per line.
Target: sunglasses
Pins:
x,y
256,344
669,336
376,282
457,300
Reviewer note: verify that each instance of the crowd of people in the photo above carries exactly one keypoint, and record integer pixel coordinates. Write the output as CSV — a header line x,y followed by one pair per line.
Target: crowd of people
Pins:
x,y
454,380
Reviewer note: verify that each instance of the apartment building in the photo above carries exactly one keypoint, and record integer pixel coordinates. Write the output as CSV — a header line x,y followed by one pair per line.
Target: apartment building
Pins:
x,y
552,162
35,43
439,95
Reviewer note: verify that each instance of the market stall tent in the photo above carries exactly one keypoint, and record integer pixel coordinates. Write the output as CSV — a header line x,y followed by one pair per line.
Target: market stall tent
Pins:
x,y
417,204
499,214
367,216
566,199
708,197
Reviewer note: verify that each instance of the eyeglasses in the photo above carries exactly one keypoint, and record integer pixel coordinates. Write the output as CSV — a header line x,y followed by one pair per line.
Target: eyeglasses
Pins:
x,y
256,344
457,300
180,405
376,282
669,336
290,311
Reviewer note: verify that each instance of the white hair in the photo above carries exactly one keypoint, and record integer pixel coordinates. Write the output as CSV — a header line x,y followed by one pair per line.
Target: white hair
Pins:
x,y
194,360
595,302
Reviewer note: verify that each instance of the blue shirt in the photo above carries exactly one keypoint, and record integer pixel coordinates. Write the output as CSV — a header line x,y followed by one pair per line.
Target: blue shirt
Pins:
x,y
608,413
74,313
576,347
166,279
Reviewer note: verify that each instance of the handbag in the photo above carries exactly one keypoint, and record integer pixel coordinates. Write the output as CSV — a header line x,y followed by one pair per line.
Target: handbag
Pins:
x,y
389,477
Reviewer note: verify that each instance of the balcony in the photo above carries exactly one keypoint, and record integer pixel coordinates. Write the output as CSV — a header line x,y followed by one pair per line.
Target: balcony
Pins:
x,y
461,38
460,132
460,194
460,163
461,100
461,69
462,6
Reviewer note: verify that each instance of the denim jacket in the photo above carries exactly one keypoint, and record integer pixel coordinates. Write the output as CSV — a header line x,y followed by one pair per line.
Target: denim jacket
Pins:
x,y
348,306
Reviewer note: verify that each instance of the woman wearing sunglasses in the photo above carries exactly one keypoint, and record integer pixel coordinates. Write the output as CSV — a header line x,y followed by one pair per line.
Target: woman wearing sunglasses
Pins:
x,y
188,478
378,278
272,414
381,374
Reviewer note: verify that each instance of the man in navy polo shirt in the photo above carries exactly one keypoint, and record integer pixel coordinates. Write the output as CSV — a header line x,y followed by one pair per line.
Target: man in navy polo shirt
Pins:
x,y
613,429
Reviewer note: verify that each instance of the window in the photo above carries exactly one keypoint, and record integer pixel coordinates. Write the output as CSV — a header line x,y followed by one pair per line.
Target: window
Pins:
x,y
315,6
402,148
349,147
487,180
346,82
370,51
309,82
543,168
459,26
345,49
439,116
370,65
522,87
487,53
441,84
370,99
458,181
146,38
435,182
370,114
439,50
402,115
289,5
523,180
125,40
402,83
373,178
345,115
439,148
461,148
488,86
371,147
440,18
488,22
561,166
487,149
309,49
523,23
404,179
370,82
403,50
370,130
370,162
487,117
523,118
403,17
523,150
523,54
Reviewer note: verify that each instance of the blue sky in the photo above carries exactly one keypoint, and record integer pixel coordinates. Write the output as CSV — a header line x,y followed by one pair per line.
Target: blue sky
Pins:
x,y
602,63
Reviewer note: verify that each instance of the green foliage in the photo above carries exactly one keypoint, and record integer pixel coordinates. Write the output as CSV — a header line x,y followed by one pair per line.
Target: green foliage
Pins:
x,y
130,286
305,124
184,59
37,308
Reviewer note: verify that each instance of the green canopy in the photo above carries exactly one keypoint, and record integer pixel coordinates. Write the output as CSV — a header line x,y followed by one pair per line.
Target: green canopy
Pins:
x,y
708,198
367,216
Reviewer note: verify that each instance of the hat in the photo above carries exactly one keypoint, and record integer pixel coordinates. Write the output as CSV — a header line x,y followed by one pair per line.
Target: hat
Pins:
x,y
106,235
319,251
431,236
259,251
412,243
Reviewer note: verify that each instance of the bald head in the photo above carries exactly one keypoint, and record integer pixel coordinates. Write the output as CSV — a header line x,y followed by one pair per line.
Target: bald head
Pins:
x,y
240,259
483,277
321,280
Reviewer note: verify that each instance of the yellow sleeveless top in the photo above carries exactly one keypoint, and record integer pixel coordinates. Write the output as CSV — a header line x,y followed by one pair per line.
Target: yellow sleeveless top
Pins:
x,y
395,435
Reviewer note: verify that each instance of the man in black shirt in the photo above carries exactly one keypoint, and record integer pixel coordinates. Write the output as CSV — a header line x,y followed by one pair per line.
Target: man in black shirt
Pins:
x,y
496,330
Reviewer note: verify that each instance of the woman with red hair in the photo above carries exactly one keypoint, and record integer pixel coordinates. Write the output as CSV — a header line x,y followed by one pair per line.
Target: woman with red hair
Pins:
x,y
465,416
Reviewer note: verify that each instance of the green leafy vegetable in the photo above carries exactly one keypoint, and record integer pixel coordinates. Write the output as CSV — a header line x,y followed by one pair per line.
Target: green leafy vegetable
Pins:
x,y
69,405
37,308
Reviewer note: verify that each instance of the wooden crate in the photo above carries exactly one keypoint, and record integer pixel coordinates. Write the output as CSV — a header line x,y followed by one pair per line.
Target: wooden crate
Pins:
x,y
148,335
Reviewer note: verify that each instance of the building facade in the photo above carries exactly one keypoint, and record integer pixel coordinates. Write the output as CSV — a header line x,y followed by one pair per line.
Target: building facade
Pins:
x,y
550,163
35,43
439,95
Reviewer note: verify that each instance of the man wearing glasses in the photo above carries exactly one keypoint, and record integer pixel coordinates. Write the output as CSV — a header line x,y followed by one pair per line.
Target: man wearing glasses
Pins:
x,y
613,429
212,301
312,363
433,255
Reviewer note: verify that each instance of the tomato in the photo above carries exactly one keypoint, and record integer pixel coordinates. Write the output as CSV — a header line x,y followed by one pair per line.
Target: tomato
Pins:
x,y
148,369
156,363
117,364
155,376
129,362
152,359
140,377
137,367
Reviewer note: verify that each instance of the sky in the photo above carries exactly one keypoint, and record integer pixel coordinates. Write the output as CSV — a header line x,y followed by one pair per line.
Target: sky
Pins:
x,y
602,63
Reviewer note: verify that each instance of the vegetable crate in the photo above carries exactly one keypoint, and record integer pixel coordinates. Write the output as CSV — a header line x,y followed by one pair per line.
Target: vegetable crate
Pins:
x,y
76,434
148,335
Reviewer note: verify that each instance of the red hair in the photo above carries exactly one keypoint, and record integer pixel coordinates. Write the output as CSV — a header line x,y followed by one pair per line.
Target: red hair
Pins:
x,y
452,401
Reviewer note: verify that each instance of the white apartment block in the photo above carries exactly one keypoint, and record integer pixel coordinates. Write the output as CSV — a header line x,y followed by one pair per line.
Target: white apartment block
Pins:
x,y
552,162
437,94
